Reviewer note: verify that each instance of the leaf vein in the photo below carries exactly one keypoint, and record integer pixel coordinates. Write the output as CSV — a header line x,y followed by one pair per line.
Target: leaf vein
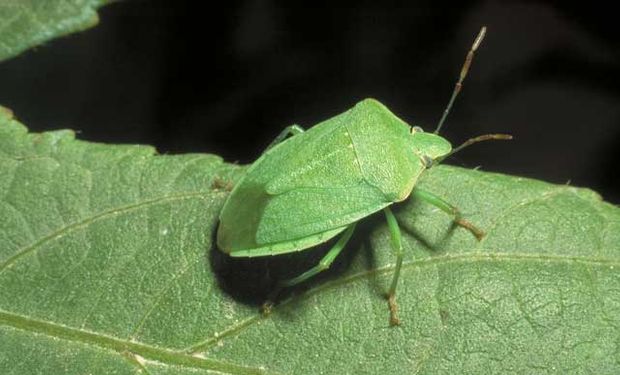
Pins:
x,y
79,224
124,347
148,311
238,328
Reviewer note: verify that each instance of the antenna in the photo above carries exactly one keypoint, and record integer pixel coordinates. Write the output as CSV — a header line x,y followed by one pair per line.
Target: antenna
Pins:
x,y
471,141
481,138
464,70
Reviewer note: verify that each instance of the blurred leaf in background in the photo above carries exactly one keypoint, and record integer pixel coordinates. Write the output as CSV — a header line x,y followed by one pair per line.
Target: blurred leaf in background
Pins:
x,y
28,23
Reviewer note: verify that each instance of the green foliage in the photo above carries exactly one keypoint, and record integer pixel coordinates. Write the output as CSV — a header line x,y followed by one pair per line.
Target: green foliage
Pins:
x,y
27,23
105,267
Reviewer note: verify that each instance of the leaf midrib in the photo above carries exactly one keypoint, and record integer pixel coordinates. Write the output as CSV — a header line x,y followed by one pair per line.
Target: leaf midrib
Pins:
x,y
120,346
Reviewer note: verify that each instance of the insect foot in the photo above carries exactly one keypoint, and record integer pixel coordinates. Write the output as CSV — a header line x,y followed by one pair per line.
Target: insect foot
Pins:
x,y
267,308
478,233
394,320
221,184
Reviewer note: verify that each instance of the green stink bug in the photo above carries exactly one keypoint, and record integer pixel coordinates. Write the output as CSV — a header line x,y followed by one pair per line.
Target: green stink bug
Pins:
x,y
317,184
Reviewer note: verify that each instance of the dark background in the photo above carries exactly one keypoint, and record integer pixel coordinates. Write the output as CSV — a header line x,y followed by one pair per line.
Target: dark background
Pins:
x,y
227,81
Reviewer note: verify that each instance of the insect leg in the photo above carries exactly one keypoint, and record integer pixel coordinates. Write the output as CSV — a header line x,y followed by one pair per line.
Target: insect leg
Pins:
x,y
325,262
289,130
446,207
398,249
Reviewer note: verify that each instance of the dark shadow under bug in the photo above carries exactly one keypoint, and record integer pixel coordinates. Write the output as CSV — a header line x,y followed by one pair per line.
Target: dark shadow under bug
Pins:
x,y
251,281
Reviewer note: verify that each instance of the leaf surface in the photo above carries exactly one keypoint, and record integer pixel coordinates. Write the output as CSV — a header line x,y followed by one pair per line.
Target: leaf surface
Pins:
x,y
27,23
108,265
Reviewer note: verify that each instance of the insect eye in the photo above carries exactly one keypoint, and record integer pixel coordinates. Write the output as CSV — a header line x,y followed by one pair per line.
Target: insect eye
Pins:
x,y
417,129
428,161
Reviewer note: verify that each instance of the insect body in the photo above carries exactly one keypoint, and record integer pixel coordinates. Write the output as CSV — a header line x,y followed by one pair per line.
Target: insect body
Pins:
x,y
318,183
312,186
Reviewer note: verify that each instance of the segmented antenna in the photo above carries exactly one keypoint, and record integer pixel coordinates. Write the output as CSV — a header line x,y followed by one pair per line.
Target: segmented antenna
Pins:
x,y
471,141
464,70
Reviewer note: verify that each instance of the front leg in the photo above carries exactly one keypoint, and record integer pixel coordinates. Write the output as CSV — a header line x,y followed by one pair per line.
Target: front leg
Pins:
x,y
446,207
289,130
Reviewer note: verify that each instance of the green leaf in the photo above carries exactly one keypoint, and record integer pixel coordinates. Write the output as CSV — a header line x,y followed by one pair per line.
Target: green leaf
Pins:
x,y
27,23
108,265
